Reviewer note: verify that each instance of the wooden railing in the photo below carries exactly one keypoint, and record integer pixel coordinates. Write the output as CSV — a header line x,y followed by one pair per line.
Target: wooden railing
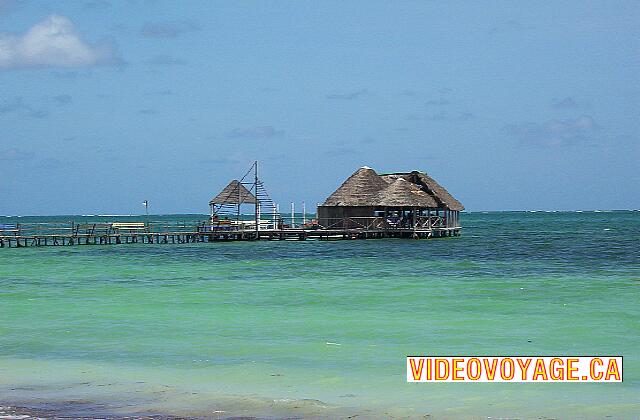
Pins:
x,y
355,223
83,229
368,223
433,222
37,229
430,222
115,228
232,225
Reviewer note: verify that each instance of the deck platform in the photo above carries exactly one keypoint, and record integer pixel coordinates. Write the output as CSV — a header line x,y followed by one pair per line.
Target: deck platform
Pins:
x,y
18,238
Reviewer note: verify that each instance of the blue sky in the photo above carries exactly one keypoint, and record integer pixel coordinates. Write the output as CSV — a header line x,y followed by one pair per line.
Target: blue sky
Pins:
x,y
509,104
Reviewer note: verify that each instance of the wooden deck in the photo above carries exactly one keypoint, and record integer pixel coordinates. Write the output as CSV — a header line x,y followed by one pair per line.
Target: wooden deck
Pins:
x,y
140,233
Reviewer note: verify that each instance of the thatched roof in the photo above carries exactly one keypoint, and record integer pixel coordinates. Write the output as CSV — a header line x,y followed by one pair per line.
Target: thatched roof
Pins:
x,y
360,189
402,193
430,186
416,189
440,192
234,193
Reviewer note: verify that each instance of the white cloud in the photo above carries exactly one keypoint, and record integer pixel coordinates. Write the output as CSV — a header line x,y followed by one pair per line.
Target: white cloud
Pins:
x,y
53,42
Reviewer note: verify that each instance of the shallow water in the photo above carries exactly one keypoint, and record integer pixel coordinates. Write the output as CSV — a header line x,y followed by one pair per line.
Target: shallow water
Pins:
x,y
321,329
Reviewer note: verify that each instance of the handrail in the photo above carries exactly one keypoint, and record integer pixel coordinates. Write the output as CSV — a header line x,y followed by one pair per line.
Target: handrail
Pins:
x,y
73,228
421,222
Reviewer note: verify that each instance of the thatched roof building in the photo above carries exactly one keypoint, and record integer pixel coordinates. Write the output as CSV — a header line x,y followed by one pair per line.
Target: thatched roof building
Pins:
x,y
367,194
360,189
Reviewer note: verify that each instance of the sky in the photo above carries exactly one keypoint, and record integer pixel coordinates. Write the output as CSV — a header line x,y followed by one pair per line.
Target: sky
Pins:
x,y
511,105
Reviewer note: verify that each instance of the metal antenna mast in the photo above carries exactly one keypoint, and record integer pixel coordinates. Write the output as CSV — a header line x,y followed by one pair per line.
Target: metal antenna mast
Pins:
x,y
255,189
247,190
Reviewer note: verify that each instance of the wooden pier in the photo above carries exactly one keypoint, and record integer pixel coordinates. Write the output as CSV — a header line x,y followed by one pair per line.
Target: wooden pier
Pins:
x,y
19,241
367,205
58,234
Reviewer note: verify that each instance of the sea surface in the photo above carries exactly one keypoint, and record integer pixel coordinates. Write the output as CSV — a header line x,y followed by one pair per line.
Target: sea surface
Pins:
x,y
320,329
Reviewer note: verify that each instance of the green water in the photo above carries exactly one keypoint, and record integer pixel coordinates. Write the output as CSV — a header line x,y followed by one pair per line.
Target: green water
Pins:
x,y
321,329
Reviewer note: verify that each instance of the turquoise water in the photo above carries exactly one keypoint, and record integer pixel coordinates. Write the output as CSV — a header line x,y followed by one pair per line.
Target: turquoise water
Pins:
x,y
321,329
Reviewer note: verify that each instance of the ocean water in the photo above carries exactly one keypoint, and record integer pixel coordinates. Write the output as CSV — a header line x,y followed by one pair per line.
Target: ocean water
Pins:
x,y
321,329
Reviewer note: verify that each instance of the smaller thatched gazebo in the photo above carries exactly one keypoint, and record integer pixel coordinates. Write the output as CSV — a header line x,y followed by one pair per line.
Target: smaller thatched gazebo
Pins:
x,y
235,194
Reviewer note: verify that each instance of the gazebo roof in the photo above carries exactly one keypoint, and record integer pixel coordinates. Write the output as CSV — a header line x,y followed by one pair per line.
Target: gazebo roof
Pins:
x,y
430,186
234,193
360,189
365,188
402,193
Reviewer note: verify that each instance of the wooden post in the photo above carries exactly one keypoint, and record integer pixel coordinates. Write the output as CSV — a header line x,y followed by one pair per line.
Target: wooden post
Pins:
x,y
386,215
293,218
274,209
304,216
238,213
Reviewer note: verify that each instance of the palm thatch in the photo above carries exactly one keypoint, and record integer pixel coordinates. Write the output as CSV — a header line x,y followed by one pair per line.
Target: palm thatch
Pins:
x,y
440,193
360,189
365,188
430,186
402,193
234,193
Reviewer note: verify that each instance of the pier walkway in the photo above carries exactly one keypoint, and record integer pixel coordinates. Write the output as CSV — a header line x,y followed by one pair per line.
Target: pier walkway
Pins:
x,y
66,234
